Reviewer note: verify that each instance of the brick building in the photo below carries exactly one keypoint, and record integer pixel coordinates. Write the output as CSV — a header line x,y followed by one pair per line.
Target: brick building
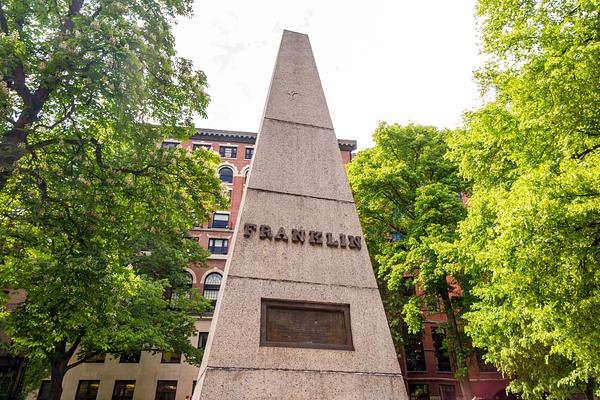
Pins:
x,y
428,369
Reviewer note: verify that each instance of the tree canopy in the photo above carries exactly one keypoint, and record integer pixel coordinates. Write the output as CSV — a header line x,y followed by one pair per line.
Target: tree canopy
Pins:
x,y
533,232
69,66
94,214
409,201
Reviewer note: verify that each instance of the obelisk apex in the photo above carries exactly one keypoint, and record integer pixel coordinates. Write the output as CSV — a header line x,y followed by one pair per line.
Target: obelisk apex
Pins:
x,y
299,315
298,148
296,81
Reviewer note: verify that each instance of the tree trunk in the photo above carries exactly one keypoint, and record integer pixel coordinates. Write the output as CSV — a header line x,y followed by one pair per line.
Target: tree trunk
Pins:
x,y
58,371
458,347
11,151
590,388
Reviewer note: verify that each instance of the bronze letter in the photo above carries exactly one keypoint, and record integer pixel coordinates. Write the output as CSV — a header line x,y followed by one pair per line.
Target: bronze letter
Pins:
x,y
330,241
298,235
281,235
315,237
265,232
248,229
354,242
343,243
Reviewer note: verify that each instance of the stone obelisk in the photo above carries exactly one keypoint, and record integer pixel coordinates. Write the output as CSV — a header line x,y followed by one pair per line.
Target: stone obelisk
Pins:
x,y
299,315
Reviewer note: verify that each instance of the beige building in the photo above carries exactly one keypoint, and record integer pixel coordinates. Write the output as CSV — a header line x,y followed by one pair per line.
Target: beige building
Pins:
x,y
166,376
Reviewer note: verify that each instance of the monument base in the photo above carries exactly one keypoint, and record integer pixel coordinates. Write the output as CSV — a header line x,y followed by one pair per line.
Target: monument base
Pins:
x,y
247,384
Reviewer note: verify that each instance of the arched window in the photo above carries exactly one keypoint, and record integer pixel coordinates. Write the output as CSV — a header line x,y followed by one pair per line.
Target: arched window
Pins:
x,y
226,174
246,176
212,284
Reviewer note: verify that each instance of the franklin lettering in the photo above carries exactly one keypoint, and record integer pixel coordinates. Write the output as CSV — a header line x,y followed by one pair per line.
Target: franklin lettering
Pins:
x,y
298,235
315,238
330,242
265,232
281,235
248,229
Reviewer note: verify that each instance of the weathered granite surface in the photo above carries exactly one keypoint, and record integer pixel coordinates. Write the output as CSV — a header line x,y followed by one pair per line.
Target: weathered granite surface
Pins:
x,y
297,181
300,385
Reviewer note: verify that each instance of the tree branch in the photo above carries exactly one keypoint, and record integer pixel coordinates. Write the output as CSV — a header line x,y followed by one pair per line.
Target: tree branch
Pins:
x,y
74,346
3,23
44,143
579,156
74,9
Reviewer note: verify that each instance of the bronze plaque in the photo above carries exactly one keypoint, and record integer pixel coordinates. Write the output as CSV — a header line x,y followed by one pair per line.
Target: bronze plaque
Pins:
x,y
305,324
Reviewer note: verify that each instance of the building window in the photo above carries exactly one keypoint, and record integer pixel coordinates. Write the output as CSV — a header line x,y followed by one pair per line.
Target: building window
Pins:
x,y
123,390
166,390
483,365
408,288
415,356
441,354
396,236
169,145
212,284
218,246
197,146
419,391
170,357
228,152
220,221
226,175
249,153
246,176
203,336
87,390
447,392
44,392
96,358
130,358
194,386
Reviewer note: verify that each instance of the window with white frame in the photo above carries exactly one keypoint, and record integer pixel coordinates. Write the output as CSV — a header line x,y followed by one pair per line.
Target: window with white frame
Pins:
x,y
226,174
212,285
197,146
220,220
169,145
218,246
228,151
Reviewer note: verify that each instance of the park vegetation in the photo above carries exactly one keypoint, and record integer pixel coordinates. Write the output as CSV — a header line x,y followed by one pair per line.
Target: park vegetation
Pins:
x,y
532,234
93,213
525,248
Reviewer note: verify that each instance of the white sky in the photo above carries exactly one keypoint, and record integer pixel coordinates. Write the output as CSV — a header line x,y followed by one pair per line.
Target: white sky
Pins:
x,y
395,61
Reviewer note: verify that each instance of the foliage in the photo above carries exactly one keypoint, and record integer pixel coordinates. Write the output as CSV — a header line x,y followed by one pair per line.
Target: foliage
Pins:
x,y
93,213
533,231
68,66
408,198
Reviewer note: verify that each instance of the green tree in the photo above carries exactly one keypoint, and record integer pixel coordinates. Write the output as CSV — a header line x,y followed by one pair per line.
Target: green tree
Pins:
x,y
95,244
93,213
533,230
69,65
408,198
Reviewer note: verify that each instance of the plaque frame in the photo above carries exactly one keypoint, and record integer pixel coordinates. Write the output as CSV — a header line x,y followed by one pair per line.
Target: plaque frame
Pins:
x,y
308,306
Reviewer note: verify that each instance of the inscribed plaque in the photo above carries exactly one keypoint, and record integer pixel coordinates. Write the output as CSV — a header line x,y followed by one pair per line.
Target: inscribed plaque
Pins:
x,y
305,324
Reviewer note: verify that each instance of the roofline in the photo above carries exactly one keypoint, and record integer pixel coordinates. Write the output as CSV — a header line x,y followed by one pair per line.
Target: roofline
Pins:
x,y
250,137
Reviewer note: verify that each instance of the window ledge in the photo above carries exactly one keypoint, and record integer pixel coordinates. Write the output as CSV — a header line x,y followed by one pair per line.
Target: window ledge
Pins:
x,y
218,256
